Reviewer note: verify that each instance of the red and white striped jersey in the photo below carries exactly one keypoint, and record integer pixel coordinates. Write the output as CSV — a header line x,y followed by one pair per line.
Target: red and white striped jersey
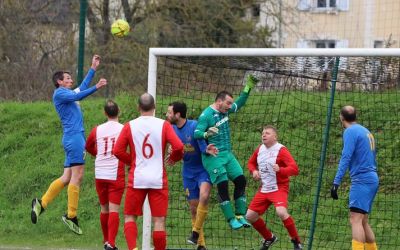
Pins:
x,y
146,137
263,160
100,143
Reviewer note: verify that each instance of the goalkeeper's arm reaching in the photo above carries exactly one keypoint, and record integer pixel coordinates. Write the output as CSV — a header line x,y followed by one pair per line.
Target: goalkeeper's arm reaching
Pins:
x,y
251,82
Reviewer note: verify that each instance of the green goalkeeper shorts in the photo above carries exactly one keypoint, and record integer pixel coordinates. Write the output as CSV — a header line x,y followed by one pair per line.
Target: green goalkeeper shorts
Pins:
x,y
223,167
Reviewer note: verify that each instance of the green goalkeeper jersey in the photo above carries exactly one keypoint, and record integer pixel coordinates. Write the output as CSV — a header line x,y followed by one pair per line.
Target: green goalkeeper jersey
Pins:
x,y
213,118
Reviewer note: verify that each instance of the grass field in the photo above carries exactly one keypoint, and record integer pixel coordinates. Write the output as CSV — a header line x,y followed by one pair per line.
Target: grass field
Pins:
x,y
31,156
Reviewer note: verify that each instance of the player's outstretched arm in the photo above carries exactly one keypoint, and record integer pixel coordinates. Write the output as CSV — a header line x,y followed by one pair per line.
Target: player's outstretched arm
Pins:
x,y
89,76
95,62
251,82
102,82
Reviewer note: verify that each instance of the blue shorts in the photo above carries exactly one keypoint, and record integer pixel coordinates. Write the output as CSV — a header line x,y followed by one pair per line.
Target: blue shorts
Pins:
x,y
362,195
192,185
74,147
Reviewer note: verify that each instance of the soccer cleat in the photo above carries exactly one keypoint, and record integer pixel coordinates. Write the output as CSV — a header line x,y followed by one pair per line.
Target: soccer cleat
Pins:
x,y
193,238
235,224
109,247
268,243
201,248
297,245
105,245
72,224
37,210
243,221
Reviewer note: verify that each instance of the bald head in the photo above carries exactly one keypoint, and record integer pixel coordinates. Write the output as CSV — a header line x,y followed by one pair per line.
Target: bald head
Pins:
x,y
348,113
146,102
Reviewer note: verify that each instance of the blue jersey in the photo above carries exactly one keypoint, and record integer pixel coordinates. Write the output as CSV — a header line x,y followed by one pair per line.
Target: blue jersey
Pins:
x,y
358,155
192,164
69,111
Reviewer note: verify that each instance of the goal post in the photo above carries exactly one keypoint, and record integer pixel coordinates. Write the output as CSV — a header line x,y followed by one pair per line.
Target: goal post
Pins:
x,y
297,95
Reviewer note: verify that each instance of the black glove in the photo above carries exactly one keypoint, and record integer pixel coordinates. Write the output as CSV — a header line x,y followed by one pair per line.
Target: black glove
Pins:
x,y
334,189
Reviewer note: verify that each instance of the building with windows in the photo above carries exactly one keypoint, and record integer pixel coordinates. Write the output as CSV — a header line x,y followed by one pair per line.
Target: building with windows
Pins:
x,y
332,23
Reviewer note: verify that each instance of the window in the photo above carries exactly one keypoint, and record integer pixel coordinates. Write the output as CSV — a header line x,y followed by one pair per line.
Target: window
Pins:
x,y
326,4
378,44
324,62
255,10
323,5
322,44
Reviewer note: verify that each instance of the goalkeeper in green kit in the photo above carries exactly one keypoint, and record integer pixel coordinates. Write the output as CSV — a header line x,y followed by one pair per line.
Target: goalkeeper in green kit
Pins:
x,y
213,125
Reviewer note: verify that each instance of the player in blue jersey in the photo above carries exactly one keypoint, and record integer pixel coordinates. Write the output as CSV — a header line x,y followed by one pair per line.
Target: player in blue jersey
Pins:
x,y
359,157
196,181
66,104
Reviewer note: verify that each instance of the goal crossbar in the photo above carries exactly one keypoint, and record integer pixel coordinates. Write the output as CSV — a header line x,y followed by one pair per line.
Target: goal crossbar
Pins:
x,y
309,52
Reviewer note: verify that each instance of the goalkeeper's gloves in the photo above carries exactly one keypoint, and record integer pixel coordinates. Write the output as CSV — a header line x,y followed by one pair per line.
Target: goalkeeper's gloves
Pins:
x,y
251,81
210,132
334,189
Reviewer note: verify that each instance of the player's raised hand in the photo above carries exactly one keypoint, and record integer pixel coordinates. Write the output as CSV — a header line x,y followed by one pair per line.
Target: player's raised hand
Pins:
x,y
251,81
276,167
95,62
102,82
256,175
212,150
211,131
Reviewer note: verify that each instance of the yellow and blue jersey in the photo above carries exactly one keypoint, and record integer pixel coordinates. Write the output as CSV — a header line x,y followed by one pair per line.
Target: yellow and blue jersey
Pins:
x,y
192,163
358,155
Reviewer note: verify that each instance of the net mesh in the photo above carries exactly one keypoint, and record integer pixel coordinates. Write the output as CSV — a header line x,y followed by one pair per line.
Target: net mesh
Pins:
x,y
293,94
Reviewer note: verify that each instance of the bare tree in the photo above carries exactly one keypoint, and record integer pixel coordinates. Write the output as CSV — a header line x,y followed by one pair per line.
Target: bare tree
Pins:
x,y
40,36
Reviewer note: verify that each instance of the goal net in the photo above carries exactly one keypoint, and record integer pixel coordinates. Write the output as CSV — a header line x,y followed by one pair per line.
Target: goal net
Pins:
x,y
300,92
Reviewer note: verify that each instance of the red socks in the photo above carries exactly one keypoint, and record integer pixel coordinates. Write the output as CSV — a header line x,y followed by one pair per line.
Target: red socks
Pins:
x,y
261,227
113,224
130,230
104,225
291,228
159,240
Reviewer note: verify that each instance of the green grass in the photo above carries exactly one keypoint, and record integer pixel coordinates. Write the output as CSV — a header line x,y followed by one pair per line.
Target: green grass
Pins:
x,y
31,157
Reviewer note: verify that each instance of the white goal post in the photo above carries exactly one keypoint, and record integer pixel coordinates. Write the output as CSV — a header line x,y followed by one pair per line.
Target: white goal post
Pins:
x,y
154,53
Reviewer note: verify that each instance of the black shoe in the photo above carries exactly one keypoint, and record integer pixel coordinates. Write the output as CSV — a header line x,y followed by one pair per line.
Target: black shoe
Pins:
x,y
105,245
109,247
297,245
193,238
268,243
201,248
37,209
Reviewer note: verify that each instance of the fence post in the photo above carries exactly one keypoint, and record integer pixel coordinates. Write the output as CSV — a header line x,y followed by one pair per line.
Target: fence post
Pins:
x,y
81,48
323,153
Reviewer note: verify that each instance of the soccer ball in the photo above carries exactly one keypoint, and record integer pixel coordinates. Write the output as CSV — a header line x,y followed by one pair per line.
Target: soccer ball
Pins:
x,y
120,28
